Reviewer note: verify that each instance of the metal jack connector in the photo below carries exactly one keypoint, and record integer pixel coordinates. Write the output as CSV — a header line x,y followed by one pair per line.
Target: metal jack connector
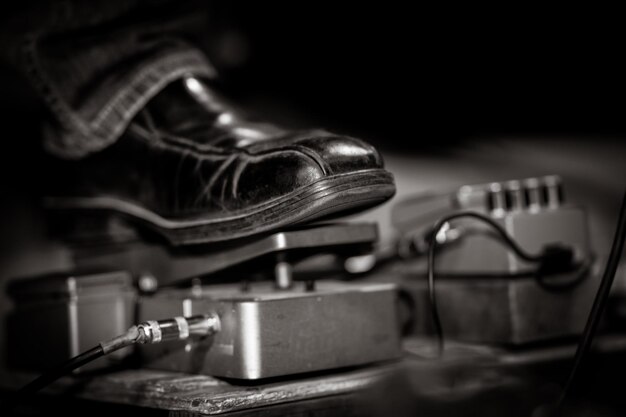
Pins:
x,y
178,328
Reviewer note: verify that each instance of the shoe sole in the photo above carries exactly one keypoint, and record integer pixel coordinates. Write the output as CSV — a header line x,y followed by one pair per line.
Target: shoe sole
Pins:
x,y
331,196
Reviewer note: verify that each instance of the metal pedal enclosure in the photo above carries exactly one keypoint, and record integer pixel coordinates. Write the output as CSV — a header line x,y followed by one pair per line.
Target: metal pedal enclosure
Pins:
x,y
269,332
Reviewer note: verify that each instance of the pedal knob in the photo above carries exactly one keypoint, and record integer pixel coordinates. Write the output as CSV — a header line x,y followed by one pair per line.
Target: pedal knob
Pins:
x,y
533,194
514,196
553,191
496,199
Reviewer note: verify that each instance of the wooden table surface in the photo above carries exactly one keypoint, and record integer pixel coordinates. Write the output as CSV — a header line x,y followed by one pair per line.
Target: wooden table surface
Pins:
x,y
466,373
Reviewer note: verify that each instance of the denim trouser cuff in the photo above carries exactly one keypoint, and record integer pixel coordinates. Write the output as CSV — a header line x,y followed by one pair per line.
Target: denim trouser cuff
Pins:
x,y
75,135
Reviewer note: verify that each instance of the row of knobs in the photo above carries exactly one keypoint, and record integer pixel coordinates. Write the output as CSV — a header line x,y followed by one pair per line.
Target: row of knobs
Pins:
x,y
531,194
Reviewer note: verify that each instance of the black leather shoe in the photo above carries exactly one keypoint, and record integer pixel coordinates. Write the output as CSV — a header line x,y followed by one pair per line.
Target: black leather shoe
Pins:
x,y
193,170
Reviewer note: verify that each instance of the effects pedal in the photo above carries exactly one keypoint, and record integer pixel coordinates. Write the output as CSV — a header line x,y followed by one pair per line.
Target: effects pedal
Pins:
x,y
267,332
485,293
284,327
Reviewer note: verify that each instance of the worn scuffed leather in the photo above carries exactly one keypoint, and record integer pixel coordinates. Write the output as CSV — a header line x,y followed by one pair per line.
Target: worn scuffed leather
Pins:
x,y
177,161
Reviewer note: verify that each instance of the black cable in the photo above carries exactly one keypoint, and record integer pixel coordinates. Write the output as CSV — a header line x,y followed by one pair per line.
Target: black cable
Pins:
x,y
176,328
131,336
600,300
49,377
551,259
64,369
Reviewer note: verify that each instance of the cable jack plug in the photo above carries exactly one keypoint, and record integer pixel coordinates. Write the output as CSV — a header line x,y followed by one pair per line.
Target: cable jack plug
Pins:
x,y
178,328
153,331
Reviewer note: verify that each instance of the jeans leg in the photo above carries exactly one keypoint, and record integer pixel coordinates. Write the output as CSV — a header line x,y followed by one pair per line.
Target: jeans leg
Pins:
x,y
96,63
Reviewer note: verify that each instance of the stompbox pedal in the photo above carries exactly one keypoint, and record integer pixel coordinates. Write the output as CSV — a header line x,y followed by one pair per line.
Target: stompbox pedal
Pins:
x,y
266,332
283,327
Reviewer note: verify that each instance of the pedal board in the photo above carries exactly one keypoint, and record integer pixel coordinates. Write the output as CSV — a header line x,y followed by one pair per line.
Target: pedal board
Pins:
x,y
273,321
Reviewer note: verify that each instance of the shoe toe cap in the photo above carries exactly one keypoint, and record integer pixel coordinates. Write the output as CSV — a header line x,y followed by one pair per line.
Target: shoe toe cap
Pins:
x,y
342,154
274,168
336,154
266,177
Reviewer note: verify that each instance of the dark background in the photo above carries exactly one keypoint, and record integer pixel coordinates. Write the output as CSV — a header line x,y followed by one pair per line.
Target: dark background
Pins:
x,y
420,78
404,76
